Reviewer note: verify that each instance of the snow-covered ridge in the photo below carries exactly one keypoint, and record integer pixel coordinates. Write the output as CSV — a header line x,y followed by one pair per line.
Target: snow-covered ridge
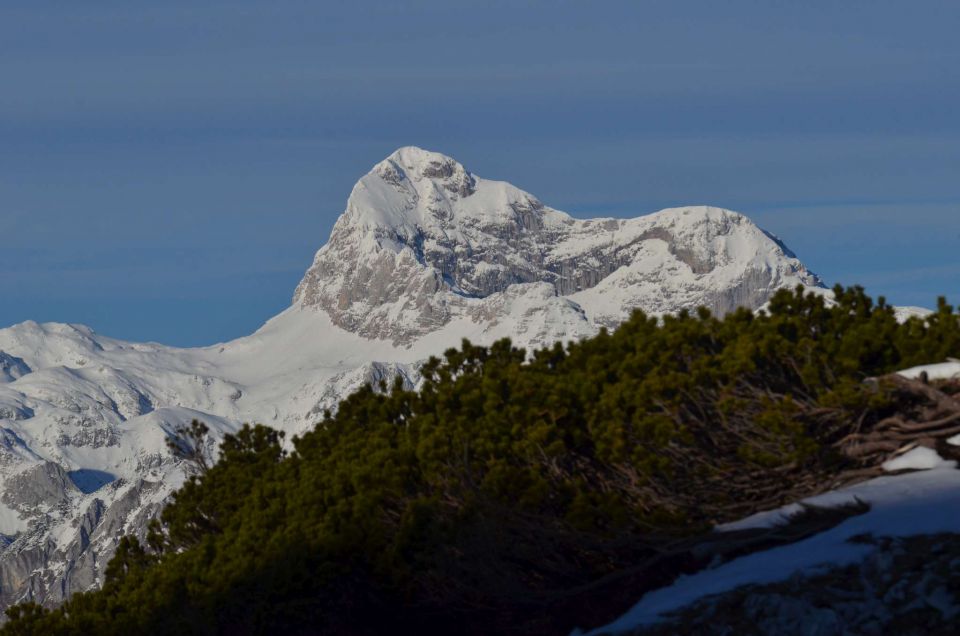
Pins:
x,y
425,254
423,242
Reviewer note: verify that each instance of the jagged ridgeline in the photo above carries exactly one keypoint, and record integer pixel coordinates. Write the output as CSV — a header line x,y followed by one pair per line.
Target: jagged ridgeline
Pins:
x,y
516,493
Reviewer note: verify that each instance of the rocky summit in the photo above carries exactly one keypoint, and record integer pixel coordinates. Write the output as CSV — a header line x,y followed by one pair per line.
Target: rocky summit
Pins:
x,y
423,243
425,254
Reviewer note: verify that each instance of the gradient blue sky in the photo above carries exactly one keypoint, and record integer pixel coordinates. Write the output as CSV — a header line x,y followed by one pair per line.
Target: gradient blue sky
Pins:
x,y
168,169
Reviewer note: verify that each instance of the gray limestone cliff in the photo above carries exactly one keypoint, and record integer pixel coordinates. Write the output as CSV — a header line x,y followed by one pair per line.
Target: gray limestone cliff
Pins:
x,y
422,239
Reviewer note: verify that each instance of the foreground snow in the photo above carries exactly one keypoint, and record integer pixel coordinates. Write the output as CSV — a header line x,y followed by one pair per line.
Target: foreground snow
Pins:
x,y
949,370
918,503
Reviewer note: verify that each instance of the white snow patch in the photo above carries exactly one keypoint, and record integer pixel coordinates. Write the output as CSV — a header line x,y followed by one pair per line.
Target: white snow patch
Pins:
x,y
902,505
919,458
904,313
941,371
10,521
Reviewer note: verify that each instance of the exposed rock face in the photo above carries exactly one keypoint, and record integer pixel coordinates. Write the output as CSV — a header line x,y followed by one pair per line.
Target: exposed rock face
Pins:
x,y
426,254
12,368
43,485
41,566
422,239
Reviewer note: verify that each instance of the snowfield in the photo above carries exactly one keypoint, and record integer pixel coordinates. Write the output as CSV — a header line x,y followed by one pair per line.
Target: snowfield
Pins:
x,y
924,502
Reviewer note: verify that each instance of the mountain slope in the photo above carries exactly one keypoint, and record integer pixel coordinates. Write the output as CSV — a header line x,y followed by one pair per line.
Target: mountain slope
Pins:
x,y
423,242
424,255
531,493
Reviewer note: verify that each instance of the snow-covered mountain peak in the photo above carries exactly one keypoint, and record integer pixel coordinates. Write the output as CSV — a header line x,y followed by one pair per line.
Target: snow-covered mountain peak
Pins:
x,y
415,189
423,240
424,255
418,164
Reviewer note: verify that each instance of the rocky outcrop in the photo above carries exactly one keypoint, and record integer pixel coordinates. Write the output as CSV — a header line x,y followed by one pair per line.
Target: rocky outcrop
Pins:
x,y
12,368
43,485
422,240
39,566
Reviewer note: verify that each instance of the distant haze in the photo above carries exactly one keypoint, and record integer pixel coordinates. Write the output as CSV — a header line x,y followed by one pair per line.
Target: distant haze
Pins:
x,y
167,170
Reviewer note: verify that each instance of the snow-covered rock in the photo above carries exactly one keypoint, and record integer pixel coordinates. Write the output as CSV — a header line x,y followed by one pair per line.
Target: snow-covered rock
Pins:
x,y
949,370
918,458
906,505
425,254
423,242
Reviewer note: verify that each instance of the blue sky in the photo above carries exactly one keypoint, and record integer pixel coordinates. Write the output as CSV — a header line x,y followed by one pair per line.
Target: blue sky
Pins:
x,y
167,170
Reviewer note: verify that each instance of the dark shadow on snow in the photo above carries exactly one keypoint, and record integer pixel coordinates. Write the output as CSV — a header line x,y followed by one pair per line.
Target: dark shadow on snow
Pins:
x,y
88,480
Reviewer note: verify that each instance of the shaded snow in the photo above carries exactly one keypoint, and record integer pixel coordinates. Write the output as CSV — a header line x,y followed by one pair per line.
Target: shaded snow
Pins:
x,y
89,480
923,502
